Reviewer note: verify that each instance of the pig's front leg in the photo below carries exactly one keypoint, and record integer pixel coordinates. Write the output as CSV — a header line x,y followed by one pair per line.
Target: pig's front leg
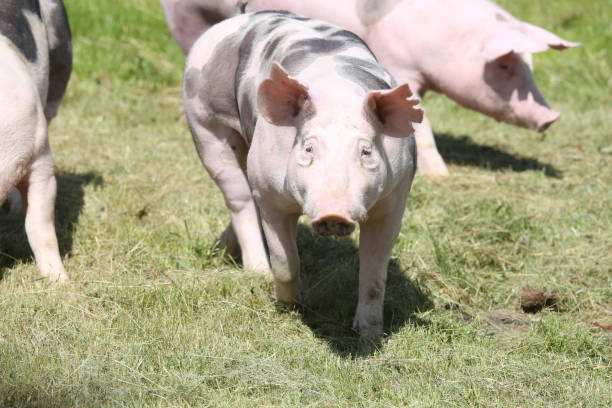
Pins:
x,y
429,160
376,239
281,230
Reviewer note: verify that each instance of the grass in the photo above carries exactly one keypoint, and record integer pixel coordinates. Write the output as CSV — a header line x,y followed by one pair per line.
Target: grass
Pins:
x,y
154,316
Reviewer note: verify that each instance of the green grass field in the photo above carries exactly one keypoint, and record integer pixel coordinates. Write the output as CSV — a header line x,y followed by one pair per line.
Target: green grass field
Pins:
x,y
154,316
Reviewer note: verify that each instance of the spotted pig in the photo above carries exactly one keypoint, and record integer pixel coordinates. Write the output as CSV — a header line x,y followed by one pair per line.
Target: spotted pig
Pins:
x,y
294,116
36,55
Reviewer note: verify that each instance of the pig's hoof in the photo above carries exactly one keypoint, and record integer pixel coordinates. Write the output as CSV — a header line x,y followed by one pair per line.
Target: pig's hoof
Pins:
x,y
370,332
369,326
61,277
288,292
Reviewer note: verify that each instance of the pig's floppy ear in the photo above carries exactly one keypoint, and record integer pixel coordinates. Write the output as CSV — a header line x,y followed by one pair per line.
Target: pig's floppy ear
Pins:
x,y
395,110
550,39
280,97
521,39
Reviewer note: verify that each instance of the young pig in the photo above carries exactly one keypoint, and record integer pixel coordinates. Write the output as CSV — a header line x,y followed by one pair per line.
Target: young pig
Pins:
x,y
36,55
470,50
290,116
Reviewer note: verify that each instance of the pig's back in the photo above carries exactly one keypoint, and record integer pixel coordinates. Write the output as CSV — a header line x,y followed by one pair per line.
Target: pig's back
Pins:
x,y
210,73
302,46
229,61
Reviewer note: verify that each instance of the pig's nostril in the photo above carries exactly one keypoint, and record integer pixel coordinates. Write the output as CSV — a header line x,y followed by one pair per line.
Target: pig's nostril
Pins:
x,y
546,123
545,126
333,225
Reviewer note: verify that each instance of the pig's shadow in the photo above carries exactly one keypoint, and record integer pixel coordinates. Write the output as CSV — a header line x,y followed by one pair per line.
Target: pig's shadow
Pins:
x,y
329,273
14,246
464,151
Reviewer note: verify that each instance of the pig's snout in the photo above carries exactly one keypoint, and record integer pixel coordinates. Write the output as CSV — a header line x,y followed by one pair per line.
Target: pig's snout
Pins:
x,y
333,224
547,120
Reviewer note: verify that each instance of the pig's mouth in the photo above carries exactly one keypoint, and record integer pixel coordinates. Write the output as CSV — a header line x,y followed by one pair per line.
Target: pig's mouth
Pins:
x,y
539,124
333,224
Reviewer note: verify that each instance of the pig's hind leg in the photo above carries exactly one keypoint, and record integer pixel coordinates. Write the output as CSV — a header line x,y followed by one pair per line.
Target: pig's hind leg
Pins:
x,y
26,162
223,153
38,190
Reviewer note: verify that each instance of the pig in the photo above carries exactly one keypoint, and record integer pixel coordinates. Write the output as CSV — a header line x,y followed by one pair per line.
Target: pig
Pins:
x,y
187,19
294,116
473,51
36,55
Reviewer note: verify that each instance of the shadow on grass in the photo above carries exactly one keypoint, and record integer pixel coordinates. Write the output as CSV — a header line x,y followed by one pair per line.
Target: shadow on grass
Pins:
x,y
329,273
464,151
14,246
29,396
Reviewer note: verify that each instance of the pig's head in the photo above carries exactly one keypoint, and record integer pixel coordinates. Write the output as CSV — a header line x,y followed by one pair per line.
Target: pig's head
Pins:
x,y
492,72
338,167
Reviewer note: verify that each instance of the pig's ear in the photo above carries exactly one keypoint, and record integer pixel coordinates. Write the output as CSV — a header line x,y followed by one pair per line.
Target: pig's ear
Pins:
x,y
541,35
280,97
395,110
521,39
505,41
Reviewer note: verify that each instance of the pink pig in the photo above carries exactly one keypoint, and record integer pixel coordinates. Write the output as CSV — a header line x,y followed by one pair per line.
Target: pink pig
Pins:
x,y
473,51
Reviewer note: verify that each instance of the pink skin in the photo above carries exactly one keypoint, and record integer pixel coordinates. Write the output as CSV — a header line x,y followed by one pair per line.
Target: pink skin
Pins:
x,y
25,158
456,47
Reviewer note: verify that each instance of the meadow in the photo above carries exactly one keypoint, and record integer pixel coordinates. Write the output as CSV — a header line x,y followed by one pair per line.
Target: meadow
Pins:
x,y
154,315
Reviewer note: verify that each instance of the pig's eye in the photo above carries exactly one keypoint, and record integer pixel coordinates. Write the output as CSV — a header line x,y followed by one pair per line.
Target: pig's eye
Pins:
x,y
367,156
366,149
506,69
306,155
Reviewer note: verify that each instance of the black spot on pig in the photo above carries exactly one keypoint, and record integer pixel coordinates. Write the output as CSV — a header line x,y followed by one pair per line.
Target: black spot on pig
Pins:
x,y
320,46
60,55
362,77
323,28
373,293
371,11
271,47
348,36
296,61
264,12
304,52
191,82
203,82
371,66
246,49
500,17
15,26
246,110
